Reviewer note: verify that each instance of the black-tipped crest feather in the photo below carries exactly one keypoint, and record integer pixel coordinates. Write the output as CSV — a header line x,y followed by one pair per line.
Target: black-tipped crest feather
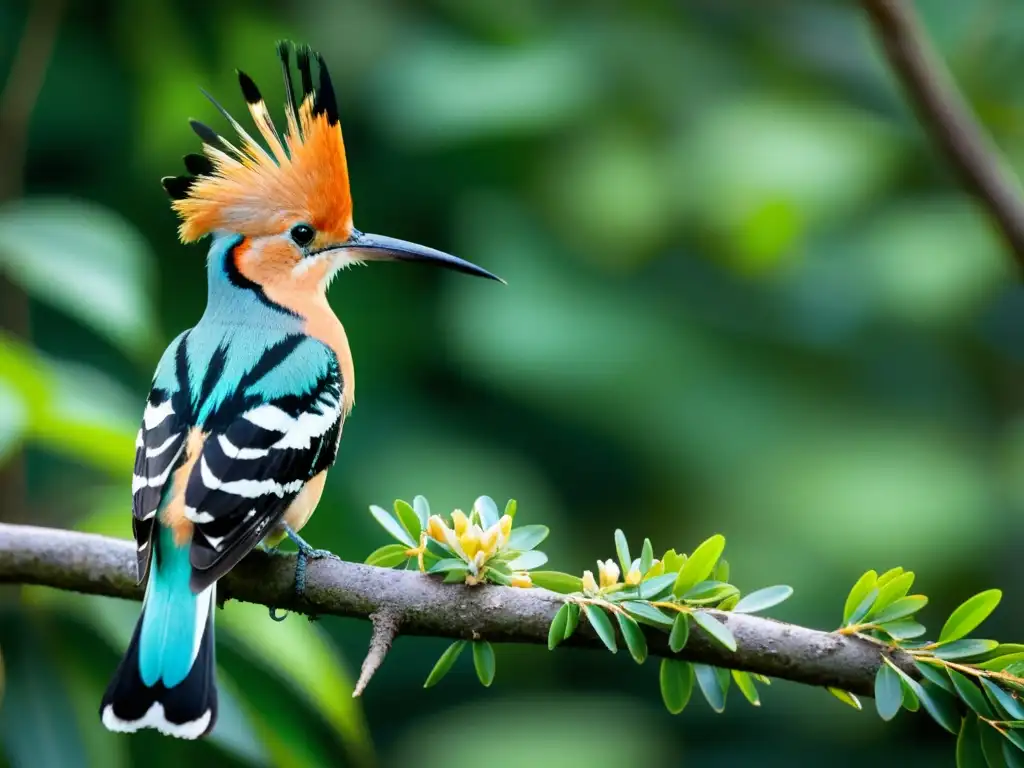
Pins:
x,y
207,134
177,186
284,51
325,99
249,89
302,62
199,165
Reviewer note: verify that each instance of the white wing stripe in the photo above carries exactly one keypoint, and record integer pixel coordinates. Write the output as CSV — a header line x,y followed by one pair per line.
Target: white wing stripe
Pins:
x,y
307,427
154,415
139,482
198,517
154,452
270,417
249,489
232,451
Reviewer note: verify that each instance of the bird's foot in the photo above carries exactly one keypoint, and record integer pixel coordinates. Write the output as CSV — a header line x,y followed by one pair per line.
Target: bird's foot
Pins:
x,y
306,553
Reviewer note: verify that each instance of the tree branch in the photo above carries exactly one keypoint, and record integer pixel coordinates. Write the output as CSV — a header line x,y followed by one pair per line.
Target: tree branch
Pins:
x,y
947,117
422,605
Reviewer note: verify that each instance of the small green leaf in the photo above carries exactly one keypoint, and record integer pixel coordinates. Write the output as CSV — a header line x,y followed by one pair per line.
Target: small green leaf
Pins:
x,y
444,664
1004,649
497,576
699,565
969,615
556,632
892,591
964,649
634,637
392,526
936,675
1015,738
455,576
510,508
483,661
648,613
968,745
860,591
676,680
1003,700
526,538
673,561
999,663
622,550
646,556
602,625
900,609
862,610
746,685
729,603
721,572
408,518
847,698
939,704
992,746
657,587
448,564
715,628
971,694
680,632
888,576
556,581
528,560
710,590
388,556
487,511
422,508
905,629
888,692
910,701
763,599
710,685
572,620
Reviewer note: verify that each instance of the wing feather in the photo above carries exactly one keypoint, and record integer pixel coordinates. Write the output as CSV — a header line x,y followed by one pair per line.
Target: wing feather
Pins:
x,y
250,472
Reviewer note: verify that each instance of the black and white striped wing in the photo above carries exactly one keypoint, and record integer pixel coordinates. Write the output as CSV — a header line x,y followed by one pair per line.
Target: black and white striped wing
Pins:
x,y
159,449
251,471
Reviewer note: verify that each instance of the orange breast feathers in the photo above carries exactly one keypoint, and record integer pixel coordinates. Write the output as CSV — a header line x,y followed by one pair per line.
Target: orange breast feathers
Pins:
x,y
301,287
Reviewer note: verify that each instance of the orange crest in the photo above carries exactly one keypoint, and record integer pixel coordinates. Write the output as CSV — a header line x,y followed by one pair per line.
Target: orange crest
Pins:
x,y
249,191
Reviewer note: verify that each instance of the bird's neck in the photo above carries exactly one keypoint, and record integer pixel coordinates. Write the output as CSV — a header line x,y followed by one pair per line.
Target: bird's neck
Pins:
x,y
233,300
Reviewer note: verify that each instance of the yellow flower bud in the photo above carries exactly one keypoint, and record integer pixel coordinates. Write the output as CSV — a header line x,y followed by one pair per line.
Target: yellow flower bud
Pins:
x,y
522,580
657,569
505,526
489,540
470,541
634,576
436,528
460,521
589,585
608,573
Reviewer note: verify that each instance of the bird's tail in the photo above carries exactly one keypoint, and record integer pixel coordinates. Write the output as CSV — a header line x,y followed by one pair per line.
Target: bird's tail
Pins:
x,y
166,678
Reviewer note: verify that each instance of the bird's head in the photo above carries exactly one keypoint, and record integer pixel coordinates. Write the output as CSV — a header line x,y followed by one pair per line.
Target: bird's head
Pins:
x,y
291,204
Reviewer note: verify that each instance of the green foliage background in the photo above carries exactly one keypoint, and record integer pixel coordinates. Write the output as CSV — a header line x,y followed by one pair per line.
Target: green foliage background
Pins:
x,y
744,297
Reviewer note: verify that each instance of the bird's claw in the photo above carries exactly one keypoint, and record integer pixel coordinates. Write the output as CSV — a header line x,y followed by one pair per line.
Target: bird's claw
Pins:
x,y
306,553
277,617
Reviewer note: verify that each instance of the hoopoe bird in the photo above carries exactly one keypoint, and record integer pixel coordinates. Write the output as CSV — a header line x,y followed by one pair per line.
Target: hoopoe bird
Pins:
x,y
246,408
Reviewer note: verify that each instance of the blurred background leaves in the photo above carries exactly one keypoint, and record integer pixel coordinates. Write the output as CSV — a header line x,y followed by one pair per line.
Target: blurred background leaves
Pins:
x,y
745,297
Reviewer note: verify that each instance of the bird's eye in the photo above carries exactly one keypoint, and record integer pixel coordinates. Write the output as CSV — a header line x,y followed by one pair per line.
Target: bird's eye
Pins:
x,y
303,234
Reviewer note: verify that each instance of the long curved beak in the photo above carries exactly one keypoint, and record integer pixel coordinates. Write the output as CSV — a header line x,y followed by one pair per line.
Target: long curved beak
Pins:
x,y
384,248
